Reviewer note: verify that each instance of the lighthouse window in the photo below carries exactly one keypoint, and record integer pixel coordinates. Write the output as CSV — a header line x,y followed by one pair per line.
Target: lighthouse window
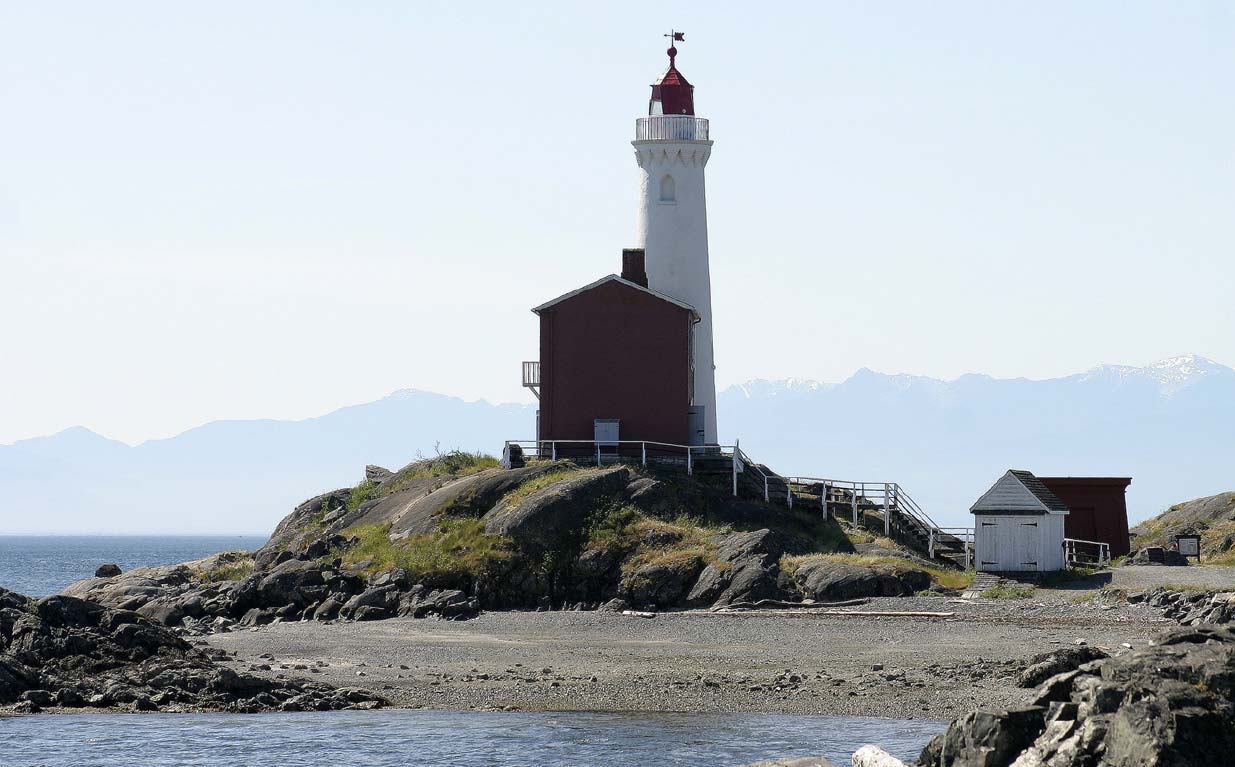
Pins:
x,y
667,190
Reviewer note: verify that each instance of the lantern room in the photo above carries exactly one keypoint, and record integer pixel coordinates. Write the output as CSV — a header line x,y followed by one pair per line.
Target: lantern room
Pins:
x,y
671,94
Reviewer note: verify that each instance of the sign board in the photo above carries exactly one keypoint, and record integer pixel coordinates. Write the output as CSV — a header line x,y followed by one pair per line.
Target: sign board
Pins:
x,y
1189,545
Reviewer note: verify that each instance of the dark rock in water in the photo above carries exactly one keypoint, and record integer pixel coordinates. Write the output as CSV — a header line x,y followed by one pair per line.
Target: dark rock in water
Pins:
x,y
65,651
1048,664
745,569
107,571
828,580
1172,703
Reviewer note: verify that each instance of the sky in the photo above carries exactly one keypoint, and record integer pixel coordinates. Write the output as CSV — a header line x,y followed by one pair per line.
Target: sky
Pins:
x,y
244,210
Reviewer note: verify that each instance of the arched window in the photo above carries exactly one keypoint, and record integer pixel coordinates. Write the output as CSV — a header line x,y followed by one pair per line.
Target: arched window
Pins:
x,y
667,191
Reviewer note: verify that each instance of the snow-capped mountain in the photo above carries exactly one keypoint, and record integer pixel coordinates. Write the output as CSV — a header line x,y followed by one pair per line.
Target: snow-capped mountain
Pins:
x,y
1170,426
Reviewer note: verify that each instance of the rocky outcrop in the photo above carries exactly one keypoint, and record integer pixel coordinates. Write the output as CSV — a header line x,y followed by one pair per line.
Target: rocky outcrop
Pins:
x,y
540,521
744,569
1212,517
1172,703
71,653
830,580
1046,665
1192,608
1156,555
107,571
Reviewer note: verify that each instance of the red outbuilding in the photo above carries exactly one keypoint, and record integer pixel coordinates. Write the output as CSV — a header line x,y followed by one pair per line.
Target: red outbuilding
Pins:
x,y
615,363
1098,509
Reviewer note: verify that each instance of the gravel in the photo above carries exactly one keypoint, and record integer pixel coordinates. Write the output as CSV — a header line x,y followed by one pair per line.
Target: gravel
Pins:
x,y
768,661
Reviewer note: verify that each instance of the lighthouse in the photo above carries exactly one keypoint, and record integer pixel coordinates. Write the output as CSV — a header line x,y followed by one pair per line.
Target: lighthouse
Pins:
x,y
672,149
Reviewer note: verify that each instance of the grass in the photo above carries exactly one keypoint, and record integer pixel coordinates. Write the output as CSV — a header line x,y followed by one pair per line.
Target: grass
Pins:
x,y
1008,591
459,548
946,578
458,463
540,482
360,493
232,571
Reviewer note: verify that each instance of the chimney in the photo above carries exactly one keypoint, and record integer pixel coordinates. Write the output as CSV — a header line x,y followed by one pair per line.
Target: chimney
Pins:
x,y
632,266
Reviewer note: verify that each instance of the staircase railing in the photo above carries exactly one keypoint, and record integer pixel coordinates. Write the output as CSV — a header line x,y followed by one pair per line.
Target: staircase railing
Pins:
x,y
900,512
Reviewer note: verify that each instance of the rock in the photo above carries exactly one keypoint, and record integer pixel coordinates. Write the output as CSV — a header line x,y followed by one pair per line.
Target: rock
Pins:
x,y
745,569
984,739
828,580
368,613
1172,703
662,583
451,604
539,522
615,605
377,474
1048,664
98,656
107,571
1156,555
652,497
874,756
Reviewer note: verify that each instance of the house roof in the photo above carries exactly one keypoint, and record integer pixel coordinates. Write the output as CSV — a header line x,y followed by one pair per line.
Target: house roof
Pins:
x,y
1019,492
627,283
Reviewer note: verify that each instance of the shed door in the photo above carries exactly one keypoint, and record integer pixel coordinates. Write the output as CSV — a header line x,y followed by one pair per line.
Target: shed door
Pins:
x,y
1028,537
986,544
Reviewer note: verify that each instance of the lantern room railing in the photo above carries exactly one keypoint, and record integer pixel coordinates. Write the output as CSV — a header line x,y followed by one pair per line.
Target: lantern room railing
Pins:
x,y
671,128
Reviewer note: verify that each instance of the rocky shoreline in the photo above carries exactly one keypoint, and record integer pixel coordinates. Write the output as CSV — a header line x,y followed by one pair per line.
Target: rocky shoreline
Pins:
x,y
66,653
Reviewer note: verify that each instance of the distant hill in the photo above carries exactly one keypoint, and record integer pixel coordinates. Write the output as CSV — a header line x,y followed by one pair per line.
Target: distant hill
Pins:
x,y
1168,426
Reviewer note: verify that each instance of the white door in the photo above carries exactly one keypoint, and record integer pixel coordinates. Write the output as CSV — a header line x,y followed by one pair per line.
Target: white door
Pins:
x,y
986,544
1027,537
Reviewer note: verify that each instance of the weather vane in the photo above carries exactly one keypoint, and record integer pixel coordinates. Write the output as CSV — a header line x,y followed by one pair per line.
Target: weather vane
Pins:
x,y
676,37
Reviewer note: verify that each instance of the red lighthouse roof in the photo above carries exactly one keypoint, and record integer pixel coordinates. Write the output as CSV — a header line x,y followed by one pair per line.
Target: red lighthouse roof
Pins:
x,y
671,93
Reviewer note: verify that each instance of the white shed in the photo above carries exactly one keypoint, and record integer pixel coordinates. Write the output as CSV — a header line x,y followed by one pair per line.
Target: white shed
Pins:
x,y
1018,526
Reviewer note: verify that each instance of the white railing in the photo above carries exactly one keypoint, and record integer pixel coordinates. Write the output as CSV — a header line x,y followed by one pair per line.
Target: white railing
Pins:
x,y
888,497
531,374
671,128
1096,552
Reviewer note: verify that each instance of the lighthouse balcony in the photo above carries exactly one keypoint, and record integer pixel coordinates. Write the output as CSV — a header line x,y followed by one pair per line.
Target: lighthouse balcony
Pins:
x,y
671,128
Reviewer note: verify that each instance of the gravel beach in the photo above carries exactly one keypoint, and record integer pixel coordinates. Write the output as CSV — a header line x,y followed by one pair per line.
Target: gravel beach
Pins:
x,y
767,661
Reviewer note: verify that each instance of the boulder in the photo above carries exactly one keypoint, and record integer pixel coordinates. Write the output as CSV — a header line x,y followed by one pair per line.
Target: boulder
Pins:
x,y
1172,703
107,571
377,474
662,583
829,580
544,519
1048,664
63,651
1156,555
744,569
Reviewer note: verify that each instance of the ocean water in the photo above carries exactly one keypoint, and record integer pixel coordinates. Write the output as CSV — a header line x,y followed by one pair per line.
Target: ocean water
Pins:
x,y
395,738
37,566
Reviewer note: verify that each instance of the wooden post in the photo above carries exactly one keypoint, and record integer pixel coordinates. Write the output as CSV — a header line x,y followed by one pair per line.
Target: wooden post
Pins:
x,y
690,468
887,512
598,454
930,546
553,447
735,469
765,489
788,492
854,497
644,447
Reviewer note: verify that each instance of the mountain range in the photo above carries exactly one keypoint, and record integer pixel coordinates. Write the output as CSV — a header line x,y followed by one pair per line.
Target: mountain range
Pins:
x,y
1170,426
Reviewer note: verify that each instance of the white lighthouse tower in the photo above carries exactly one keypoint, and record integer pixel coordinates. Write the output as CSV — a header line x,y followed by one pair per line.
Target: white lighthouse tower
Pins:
x,y
672,148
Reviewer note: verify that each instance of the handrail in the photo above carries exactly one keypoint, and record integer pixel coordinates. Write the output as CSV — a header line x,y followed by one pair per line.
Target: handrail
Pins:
x,y
1070,553
890,497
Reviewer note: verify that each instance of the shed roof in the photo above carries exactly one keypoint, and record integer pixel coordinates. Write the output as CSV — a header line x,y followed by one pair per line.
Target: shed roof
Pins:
x,y
1019,492
627,283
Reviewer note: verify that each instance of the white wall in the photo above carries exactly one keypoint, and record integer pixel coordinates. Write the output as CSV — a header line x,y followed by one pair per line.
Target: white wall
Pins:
x,y
674,235
1008,543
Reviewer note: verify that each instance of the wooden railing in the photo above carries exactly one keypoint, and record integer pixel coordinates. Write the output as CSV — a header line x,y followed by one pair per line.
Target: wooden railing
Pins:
x,y
1078,552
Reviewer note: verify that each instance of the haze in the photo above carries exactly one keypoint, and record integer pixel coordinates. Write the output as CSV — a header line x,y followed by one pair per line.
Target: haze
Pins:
x,y
270,210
